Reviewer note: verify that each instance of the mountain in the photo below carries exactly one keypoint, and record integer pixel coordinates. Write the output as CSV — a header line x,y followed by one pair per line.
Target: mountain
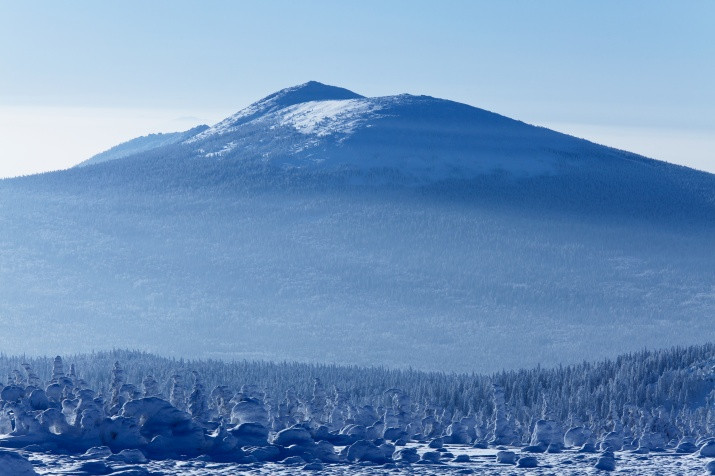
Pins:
x,y
428,142
320,225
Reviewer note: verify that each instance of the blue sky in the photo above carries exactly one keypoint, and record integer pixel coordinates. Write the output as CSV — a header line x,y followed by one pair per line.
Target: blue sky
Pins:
x,y
85,75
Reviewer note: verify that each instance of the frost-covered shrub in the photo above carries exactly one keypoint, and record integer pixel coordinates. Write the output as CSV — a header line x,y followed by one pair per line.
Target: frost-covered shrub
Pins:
x,y
648,401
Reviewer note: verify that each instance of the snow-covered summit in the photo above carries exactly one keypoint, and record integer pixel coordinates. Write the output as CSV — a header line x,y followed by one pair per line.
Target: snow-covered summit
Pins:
x,y
420,137
306,92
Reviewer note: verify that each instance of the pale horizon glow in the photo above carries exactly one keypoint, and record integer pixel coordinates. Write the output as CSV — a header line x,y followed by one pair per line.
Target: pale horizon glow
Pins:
x,y
692,148
80,77
74,134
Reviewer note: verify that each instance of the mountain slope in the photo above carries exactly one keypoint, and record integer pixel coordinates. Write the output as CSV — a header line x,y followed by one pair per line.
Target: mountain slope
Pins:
x,y
320,225
142,144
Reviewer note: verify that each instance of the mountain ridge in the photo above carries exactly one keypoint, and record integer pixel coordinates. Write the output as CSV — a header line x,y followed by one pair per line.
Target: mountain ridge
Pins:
x,y
141,144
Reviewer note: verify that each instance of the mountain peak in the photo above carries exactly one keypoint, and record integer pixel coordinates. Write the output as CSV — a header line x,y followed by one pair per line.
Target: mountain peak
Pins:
x,y
302,93
306,92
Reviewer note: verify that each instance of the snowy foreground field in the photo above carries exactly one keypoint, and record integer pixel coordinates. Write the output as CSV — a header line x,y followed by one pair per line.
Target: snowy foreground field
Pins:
x,y
481,461
643,413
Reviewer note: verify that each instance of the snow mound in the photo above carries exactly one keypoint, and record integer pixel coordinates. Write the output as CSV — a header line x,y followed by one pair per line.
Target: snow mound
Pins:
x,y
707,450
13,464
606,462
527,462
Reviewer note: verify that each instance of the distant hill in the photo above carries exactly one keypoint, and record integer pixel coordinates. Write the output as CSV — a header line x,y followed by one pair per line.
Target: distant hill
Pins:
x,y
320,225
142,144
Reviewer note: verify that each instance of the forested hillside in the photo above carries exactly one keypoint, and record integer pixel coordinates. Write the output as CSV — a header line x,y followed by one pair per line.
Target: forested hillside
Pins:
x,y
672,391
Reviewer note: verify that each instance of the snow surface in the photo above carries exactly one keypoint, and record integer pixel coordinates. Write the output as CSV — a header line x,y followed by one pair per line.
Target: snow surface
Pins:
x,y
306,92
323,118
482,462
